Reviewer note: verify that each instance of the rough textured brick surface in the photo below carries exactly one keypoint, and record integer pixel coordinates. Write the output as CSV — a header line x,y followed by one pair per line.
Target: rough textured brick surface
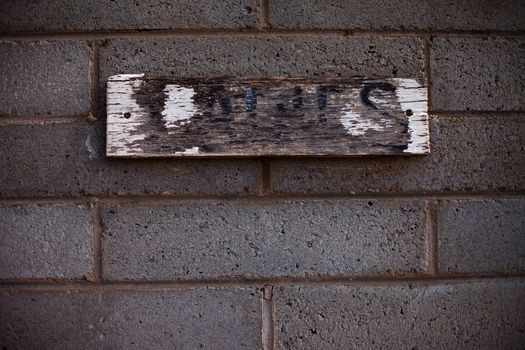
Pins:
x,y
48,241
478,74
210,240
482,236
475,316
184,319
80,15
68,159
264,56
44,78
467,154
398,15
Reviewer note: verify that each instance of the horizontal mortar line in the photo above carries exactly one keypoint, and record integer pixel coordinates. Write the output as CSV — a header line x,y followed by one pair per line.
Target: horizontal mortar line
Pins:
x,y
377,281
143,34
39,119
165,199
80,200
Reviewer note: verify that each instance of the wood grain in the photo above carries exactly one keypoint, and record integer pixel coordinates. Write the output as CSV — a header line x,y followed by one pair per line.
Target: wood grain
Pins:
x,y
211,117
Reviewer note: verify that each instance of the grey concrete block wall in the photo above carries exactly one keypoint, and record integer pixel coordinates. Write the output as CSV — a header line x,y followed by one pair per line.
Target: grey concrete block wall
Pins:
x,y
270,253
481,236
207,240
46,241
205,318
79,15
397,15
264,55
44,78
467,316
485,74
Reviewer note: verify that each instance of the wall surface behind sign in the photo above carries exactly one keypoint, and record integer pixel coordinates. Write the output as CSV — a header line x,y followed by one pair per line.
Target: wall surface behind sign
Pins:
x,y
423,252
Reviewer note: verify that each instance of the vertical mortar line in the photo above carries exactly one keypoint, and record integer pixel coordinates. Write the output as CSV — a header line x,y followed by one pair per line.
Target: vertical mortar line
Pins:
x,y
269,176
263,177
97,241
267,313
94,78
262,15
426,63
432,230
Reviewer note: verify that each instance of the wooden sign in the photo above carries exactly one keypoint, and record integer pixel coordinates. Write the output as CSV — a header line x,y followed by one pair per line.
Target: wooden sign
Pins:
x,y
169,117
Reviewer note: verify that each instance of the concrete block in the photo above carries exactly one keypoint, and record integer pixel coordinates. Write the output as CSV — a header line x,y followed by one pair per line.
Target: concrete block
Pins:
x,y
46,241
481,236
177,319
486,315
208,240
482,15
44,78
485,74
79,15
276,55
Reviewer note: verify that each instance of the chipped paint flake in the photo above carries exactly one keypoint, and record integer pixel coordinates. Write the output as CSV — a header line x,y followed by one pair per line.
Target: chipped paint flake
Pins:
x,y
357,124
179,107
189,151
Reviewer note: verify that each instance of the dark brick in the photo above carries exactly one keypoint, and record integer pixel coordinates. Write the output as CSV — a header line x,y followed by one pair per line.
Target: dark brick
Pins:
x,y
44,78
46,241
79,15
467,154
478,74
68,159
482,236
466,316
176,319
398,15
291,238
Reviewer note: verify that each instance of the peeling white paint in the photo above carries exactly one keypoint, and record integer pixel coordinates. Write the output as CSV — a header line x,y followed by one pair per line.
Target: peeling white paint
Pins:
x,y
412,96
356,124
179,106
189,151
120,101
124,77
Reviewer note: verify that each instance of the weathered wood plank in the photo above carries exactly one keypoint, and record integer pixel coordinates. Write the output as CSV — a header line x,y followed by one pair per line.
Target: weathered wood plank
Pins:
x,y
168,117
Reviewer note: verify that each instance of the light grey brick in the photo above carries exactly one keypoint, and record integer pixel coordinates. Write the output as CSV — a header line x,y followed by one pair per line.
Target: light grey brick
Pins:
x,y
176,319
398,15
477,74
46,241
481,236
291,238
44,78
68,159
467,154
276,55
466,316
80,15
